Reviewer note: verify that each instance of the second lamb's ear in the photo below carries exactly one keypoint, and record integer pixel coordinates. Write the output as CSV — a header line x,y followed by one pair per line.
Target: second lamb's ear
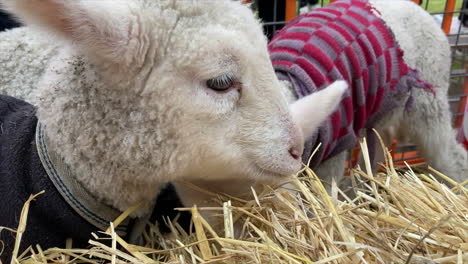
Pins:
x,y
310,111
99,26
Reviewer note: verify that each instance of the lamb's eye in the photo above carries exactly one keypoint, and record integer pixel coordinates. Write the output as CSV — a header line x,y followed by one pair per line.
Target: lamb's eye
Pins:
x,y
221,83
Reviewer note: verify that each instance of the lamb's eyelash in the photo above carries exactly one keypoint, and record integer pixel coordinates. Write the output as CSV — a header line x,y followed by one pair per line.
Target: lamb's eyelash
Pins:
x,y
225,78
222,83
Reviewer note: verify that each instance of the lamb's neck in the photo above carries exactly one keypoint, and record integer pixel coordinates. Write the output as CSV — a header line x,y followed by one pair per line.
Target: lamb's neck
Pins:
x,y
116,149
90,184
125,194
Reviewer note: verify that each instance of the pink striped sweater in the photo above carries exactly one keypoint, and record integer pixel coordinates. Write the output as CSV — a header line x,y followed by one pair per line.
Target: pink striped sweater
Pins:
x,y
343,41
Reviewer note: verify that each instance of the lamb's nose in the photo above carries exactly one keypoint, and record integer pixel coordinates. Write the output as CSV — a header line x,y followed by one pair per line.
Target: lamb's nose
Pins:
x,y
296,154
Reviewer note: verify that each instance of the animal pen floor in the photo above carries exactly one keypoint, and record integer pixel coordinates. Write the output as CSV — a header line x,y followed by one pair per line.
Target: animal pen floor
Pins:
x,y
395,218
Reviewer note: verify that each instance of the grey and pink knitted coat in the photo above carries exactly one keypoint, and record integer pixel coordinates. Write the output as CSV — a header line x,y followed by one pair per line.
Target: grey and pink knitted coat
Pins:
x,y
345,40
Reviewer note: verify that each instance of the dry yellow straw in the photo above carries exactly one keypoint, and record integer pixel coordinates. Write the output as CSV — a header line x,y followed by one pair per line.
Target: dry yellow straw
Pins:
x,y
22,226
394,218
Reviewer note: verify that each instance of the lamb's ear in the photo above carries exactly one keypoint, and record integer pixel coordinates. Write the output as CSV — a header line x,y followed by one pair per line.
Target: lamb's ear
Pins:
x,y
310,111
100,26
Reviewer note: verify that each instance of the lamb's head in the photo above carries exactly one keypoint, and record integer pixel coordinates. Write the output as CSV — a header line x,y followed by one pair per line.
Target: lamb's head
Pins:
x,y
158,90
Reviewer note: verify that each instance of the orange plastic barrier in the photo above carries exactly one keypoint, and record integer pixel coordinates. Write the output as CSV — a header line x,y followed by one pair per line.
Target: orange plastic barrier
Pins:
x,y
447,22
291,9
462,103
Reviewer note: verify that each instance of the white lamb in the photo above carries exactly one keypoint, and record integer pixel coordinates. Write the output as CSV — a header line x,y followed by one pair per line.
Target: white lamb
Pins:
x,y
133,94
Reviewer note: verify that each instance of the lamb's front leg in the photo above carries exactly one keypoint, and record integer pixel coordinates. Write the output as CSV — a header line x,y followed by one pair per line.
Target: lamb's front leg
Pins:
x,y
333,169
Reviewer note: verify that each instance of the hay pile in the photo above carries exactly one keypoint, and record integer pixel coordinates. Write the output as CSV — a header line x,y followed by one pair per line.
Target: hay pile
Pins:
x,y
395,218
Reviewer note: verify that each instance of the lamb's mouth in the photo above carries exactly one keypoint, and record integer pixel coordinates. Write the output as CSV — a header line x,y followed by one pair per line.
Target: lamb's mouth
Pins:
x,y
269,173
